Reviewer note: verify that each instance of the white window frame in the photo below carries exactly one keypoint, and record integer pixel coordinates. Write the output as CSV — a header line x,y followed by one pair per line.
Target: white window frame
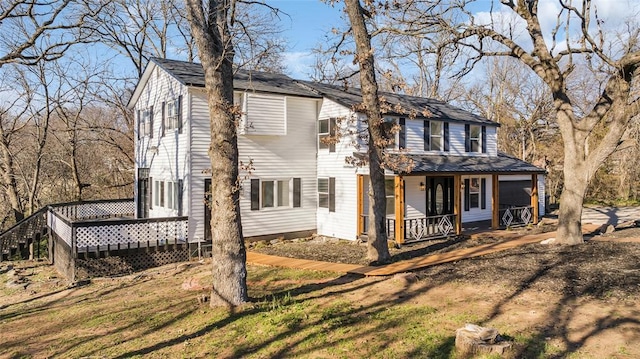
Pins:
x,y
474,192
145,122
276,185
390,197
322,135
396,140
156,193
172,109
322,194
439,136
477,140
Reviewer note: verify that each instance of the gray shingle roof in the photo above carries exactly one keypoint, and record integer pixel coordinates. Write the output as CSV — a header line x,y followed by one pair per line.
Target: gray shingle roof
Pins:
x,y
435,109
502,164
192,74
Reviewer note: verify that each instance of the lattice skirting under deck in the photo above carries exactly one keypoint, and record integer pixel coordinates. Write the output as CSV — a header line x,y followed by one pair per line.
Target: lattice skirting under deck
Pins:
x,y
128,261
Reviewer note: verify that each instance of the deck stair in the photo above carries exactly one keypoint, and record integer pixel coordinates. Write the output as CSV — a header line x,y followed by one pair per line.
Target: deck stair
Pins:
x,y
18,239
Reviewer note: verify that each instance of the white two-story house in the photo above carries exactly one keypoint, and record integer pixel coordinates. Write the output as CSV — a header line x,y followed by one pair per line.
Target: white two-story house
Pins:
x,y
294,183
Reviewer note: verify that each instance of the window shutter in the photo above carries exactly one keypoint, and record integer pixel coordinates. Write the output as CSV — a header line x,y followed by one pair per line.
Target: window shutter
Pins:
x,y
402,136
163,125
332,133
467,138
483,193
150,192
179,199
483,139
179,112
332,194
446,136
255,194
467,203
151,122
138,116
297,192
427,135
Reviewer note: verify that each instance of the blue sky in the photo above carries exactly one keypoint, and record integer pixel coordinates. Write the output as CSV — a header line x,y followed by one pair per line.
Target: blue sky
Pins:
x,y
309,21
307,24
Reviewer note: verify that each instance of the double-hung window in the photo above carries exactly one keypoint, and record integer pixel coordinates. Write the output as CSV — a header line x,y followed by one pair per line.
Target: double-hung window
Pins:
x,y
389,131
173,108
327,193
475,193
475,138
389,190
326,134
145,122
275,193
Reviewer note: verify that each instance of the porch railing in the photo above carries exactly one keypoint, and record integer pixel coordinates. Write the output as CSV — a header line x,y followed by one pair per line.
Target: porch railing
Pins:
x,y
391,225
431,227
515,216
416,229
29,231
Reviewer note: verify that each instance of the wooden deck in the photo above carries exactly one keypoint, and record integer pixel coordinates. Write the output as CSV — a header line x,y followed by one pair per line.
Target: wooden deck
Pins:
x,y
510,240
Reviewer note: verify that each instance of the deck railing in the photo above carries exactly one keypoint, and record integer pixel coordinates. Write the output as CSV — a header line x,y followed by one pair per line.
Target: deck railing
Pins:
x,y
431,227
17,238
90,236
515,216
76,211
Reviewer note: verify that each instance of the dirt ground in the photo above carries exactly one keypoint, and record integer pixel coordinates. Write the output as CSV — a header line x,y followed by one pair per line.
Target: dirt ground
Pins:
x,y
567,301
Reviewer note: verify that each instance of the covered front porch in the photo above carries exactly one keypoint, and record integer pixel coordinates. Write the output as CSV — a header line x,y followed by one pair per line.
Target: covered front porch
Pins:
x,y
443,196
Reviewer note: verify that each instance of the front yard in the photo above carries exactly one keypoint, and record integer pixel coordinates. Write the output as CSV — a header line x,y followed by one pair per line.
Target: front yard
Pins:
x,y
578,302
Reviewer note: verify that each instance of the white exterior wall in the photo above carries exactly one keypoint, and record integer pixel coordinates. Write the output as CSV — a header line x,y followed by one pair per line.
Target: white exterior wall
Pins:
x,y
166,156
415,200
478,214
414,129
275,157
343,222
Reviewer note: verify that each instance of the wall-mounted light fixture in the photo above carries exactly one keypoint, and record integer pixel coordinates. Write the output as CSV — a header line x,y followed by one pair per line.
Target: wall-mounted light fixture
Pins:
x,y
423,187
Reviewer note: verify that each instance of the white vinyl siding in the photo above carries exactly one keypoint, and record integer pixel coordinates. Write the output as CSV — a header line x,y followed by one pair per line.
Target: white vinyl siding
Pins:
x,y
265,115
274,158
478,213
343,222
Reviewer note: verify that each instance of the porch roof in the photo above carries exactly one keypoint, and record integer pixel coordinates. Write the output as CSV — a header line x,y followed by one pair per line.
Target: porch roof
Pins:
x,y
502,164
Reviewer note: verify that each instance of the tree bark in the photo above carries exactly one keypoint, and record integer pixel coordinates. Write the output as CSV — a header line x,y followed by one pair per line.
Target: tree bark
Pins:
x,y
377,248
9,181
211,33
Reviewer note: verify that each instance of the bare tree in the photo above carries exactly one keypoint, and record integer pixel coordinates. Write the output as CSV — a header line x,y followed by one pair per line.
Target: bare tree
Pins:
x,y
33,30
210,26
378,250
575,41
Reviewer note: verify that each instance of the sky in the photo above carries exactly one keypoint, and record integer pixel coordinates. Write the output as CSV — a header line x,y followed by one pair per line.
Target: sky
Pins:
x,y
309,21
305,25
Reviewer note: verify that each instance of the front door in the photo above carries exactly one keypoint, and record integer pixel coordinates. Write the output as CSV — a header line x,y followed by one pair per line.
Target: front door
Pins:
x,y
439,195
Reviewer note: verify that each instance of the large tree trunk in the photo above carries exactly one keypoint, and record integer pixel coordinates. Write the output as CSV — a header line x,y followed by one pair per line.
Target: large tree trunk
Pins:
x,y
377,248
11,186
211,34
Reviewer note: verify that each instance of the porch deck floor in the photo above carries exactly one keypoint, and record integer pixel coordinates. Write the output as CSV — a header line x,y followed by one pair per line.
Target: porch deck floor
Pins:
x,y
509,240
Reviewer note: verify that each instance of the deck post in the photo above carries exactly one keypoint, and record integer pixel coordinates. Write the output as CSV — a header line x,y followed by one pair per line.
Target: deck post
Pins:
x,y
534,197
495,202
399,209
457,199
360,211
